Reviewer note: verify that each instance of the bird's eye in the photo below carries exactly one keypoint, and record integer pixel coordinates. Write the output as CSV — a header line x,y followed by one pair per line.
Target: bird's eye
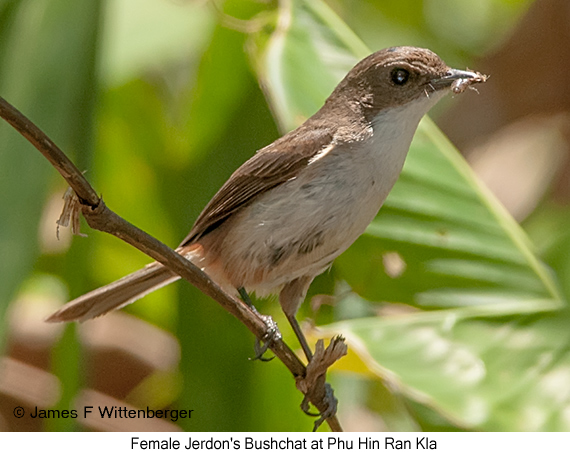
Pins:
x,y
400,76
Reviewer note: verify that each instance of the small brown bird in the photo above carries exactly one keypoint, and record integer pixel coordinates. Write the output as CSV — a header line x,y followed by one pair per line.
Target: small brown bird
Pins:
x,y
290,210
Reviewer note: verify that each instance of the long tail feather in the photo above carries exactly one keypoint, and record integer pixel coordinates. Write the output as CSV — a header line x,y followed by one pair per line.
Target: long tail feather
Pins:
x,y
115,295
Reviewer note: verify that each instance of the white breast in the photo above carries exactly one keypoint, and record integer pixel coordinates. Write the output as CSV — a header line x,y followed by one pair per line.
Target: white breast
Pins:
x,y
299,227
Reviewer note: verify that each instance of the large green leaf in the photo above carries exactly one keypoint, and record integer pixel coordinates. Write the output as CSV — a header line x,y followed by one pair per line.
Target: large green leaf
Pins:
x,y
458,245
307,55
441,241
483,373
47,72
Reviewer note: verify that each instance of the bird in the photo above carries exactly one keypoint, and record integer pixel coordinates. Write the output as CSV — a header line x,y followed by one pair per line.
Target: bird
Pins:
x,y
286,213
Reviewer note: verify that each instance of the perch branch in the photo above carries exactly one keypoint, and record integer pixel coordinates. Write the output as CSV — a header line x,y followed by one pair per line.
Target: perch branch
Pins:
x,y
101,218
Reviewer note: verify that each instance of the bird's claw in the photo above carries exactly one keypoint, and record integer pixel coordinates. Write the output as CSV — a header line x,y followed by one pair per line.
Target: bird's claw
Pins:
x,y
271,335
332,404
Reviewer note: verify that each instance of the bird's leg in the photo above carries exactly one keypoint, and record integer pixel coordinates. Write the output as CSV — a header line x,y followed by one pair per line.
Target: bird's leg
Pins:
x,y
272,333
300,336
290,298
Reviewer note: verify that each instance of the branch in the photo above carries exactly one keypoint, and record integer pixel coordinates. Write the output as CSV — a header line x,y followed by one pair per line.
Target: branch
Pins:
x,y
101,218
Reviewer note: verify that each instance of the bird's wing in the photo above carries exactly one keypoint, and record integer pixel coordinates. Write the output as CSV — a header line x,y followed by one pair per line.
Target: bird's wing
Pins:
x,y
268,168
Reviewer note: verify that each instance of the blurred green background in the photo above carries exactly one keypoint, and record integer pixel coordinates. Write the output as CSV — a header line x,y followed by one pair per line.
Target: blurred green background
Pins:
x,y
454,313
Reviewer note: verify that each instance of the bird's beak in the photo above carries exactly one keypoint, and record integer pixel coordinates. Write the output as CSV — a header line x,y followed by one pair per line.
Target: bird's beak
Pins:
x,y
455,74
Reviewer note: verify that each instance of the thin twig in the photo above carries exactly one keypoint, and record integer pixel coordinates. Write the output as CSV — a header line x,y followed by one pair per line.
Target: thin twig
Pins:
x,y
100,217
49,149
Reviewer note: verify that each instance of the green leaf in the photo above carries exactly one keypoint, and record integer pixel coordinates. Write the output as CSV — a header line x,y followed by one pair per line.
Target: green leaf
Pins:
x,y
457,244
48,74
308,54
145,35
482,373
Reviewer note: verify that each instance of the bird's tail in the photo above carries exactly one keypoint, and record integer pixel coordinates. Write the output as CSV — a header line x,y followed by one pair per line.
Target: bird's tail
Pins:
x,y
115,295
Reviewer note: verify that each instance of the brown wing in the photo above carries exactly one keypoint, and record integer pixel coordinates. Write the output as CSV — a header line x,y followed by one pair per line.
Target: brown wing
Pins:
x,y
268,168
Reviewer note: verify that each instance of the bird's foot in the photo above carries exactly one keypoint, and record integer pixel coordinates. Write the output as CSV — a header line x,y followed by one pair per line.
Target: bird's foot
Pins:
x,y
331,403
271,335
